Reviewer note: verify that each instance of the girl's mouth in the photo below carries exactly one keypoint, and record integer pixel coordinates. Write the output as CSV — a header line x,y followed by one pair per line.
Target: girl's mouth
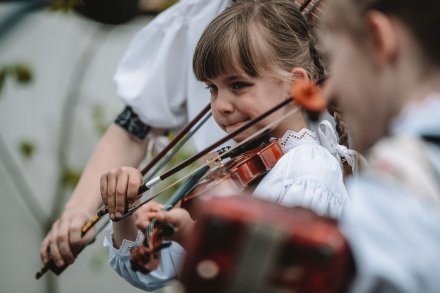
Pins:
x,y
235,126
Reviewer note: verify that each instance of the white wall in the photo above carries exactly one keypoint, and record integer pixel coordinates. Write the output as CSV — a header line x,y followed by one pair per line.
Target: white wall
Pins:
x,y
51,43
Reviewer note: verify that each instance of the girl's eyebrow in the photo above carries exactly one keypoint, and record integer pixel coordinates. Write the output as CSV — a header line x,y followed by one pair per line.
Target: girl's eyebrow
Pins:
x,y
227,78
233,77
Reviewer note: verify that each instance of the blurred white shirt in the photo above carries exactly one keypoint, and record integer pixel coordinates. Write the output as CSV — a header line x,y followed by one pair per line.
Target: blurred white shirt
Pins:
x,y
395,234
155,76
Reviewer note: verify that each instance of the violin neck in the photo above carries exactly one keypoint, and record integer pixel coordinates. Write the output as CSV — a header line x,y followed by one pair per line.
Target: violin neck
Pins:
x,y
185,188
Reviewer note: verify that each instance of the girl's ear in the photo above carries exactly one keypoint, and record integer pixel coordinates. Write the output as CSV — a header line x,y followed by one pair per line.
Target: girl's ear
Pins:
x,y
299,74
384,36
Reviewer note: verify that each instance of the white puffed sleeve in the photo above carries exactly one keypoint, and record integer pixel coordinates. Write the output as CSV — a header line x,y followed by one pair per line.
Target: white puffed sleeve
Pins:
x,y
153,75
307,176
119,259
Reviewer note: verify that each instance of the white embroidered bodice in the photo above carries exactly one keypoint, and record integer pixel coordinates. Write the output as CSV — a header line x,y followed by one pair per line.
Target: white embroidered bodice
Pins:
x,y
292,139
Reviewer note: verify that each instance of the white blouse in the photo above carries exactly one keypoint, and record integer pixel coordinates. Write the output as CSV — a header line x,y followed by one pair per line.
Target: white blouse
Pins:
x,y
308,175
155,76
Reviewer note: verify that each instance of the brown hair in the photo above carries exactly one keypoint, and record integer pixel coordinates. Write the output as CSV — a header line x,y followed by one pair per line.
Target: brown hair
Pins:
x,y
256,38
421,19
261,37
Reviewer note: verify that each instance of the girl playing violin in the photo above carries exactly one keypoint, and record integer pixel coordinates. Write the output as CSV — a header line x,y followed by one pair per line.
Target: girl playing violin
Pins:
x,y
249,57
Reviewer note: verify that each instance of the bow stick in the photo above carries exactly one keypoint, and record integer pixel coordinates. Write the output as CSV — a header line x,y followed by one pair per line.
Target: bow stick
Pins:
x,y
91,223
305,94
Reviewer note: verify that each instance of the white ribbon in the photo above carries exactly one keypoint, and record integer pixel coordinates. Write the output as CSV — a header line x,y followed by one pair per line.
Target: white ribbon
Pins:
x,y
330,141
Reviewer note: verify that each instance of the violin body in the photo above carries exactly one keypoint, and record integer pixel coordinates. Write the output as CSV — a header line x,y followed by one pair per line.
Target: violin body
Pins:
x,y
228,179
236,175
242,244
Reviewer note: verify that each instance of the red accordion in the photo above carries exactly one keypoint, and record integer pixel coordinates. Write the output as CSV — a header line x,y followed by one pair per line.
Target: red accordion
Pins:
x,y
242,244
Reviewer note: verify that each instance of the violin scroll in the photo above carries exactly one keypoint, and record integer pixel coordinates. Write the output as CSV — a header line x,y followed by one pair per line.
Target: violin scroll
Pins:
x,y
145,258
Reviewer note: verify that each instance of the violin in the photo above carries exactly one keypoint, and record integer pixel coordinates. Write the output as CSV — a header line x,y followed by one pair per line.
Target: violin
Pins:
x,y
237,175
306,95
232,177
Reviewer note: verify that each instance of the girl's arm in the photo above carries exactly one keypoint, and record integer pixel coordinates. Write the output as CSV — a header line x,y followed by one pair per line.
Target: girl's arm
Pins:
x,y
124,229
116,148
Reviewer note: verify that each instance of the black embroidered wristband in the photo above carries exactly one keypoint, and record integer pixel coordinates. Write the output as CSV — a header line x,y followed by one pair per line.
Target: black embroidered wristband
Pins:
x,y
130,121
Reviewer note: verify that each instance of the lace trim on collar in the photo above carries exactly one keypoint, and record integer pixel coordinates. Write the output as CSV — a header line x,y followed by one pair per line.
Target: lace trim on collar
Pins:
x,y
292,139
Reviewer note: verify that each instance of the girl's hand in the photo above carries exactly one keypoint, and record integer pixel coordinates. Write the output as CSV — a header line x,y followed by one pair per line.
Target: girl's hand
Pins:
x,y
119,190
178,217
146,213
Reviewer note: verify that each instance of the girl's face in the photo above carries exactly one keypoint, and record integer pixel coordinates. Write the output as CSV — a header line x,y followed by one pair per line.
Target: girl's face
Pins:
x,y
359,83
238,98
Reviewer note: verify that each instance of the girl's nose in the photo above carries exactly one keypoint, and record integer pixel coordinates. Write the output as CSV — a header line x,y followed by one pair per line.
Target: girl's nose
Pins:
x,y
223,103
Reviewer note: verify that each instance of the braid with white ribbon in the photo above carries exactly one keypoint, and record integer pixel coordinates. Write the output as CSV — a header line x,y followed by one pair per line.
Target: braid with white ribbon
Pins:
x,y
330,141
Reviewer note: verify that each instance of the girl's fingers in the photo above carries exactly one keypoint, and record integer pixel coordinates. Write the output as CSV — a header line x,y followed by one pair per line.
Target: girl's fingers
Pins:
x,y
135,180
145,213
111,193
121,194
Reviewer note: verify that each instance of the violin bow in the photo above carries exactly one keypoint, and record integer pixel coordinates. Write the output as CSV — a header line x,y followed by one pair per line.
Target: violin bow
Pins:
x,y
305,94
168,157
152,182
100,214
183,132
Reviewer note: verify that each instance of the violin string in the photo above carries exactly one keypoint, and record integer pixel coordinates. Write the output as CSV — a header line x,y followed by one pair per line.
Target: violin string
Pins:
x,y
218,182
133,209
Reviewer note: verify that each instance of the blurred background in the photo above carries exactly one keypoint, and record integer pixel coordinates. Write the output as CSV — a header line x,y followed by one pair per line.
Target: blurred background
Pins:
x,y
57,60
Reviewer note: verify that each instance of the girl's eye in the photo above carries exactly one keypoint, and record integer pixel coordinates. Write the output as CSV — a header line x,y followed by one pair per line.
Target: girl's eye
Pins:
x,y
212,88
239,85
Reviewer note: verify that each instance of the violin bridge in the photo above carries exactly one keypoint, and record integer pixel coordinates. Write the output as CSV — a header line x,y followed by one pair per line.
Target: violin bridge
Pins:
x,y
213,160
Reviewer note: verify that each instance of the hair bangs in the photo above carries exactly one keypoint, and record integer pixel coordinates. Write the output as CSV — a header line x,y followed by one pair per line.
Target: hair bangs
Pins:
x,y
215,58
230,45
